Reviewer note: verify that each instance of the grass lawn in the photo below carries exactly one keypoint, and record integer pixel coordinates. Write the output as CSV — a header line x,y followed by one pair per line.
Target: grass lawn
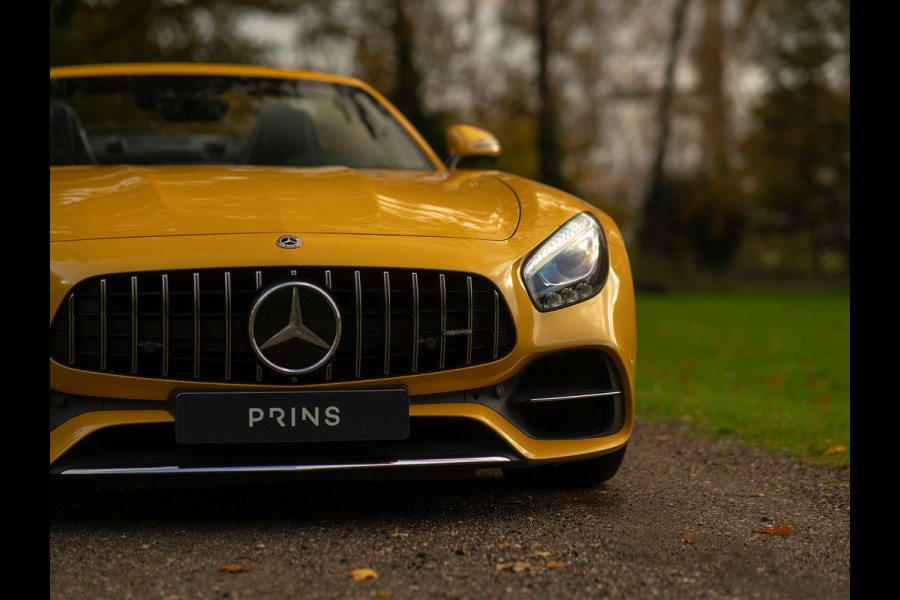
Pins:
x,y
770,367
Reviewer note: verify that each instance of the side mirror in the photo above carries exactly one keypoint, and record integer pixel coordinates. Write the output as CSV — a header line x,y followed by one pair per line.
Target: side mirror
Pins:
x,y
471,147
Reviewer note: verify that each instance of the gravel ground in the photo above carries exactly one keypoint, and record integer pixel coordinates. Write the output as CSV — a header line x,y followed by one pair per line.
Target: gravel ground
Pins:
x,y
682,519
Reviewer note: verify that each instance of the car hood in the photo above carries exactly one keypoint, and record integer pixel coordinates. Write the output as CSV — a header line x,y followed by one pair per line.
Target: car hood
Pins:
x,y
122,201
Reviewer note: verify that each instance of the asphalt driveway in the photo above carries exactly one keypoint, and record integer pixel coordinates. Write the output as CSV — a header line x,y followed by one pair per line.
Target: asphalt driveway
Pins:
x,y
684,518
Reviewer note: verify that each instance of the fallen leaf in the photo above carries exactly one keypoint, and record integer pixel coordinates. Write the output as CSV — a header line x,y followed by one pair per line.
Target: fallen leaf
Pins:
x,y
360,574
540,553
516,567
836,449
463,550
780,529
508,545
398,534
384,594
234,569
554,565
688,539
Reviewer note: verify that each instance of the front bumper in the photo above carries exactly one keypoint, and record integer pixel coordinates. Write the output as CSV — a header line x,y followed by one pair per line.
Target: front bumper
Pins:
x,y
563,392
562,406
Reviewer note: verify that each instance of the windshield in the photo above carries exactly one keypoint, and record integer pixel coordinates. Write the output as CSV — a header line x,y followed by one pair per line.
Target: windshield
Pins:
x,y
213,120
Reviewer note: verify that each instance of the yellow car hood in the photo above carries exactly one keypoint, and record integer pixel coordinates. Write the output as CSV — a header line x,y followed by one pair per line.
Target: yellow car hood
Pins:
x,y
123,201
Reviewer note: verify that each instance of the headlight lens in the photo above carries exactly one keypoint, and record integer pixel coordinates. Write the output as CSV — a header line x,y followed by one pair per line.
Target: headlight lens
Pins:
x,y
570,266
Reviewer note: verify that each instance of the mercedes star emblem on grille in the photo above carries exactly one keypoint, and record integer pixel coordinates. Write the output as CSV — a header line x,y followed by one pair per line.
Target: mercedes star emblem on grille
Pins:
x,y
295,327
289,241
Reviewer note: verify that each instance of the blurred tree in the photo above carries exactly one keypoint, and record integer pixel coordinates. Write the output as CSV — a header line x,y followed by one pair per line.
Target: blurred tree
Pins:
x,y
423,55
797,157
387,43
548,143
559,87
707,212
655,224
708,60
406,93
790,174
85,31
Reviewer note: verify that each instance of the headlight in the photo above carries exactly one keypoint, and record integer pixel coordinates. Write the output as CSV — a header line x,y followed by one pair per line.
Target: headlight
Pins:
x,y
570,266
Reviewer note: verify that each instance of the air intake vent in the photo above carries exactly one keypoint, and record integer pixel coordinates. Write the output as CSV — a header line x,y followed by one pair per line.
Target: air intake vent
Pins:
x,y
193,325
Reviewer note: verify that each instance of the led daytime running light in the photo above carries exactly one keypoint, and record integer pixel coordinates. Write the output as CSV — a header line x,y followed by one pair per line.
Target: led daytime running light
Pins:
x,y
572,230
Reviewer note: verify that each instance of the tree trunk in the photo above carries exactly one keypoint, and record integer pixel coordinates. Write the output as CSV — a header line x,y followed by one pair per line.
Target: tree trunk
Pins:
x,y
652,232
548,144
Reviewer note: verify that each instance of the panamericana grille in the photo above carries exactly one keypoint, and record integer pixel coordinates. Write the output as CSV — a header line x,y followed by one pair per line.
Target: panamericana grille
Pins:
x,y
193,325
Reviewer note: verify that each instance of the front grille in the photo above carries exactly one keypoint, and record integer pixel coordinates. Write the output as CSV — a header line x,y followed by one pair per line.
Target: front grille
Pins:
x,y
193,325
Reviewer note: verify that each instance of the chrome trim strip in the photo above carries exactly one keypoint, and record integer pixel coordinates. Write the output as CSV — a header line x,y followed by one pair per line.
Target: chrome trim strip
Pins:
x,y
227,325
387,323
358,290
415,350
576,396
72,329
165,324
196,325
103,324
134,324
470,318
442,281
423,462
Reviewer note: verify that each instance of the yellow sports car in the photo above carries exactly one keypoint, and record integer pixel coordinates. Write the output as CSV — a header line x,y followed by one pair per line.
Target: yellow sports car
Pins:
x,y
264,270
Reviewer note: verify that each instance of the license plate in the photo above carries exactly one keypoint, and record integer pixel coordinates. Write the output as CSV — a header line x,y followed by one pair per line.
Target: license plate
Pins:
x,y
217,417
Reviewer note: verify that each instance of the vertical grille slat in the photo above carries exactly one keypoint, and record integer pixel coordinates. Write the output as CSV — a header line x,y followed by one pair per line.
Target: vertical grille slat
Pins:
x,y
328,285
193,325
257,286
165,324
196,305
134,324
469,318
496,324
70,329
387,323
228,326
415,322
103,323
357,292
443,291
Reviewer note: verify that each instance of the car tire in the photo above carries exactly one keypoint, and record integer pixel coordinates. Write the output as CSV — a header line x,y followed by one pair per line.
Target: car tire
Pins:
x,y
582,473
